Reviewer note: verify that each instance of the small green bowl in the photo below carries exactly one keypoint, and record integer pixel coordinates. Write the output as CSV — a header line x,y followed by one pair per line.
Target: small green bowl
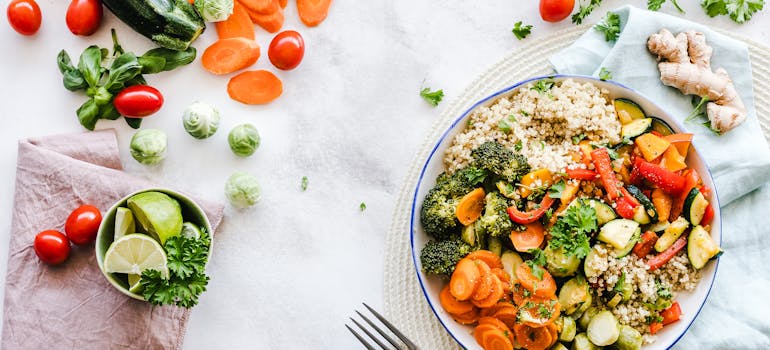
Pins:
x,y
105,236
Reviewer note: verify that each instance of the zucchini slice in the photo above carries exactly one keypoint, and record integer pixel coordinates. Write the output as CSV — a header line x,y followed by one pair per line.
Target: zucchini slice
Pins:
x,y
618,232
659,226
511,261
701,247
568,329
627,110
619,253
589,262
495,245
661,126
695,206
671,234
604,328
640,215
604,212
635,128
644,201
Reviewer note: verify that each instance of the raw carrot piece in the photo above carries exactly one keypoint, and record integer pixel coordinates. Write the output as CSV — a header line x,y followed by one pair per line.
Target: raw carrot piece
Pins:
x,y
255,87
532,237
489,258
237,25
283,3
464,279
313,12
495,294
545,287
260,6
469,207
496,340
452,305
532,338
229,55
271,21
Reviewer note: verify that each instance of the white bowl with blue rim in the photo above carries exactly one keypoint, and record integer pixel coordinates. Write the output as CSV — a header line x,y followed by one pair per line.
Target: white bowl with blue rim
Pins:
x,y
690,302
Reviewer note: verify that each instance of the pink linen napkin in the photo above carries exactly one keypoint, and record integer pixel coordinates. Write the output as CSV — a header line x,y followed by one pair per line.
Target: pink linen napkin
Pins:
x,y
72,306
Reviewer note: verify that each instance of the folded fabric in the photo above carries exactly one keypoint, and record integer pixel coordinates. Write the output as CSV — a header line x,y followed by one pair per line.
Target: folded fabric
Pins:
x,y
740,159
72,306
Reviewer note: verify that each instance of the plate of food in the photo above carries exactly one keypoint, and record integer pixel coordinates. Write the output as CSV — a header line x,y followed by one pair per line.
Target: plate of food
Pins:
x,y
565,212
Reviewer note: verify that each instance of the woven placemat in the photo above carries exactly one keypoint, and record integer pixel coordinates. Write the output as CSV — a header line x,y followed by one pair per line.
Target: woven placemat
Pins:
x,y
404,301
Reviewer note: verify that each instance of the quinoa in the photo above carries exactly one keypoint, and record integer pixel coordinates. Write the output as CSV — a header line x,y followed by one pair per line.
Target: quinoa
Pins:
x,y
676,275
541,125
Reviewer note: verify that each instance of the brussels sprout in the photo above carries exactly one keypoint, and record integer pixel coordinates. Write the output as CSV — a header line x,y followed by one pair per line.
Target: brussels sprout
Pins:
x,y
244,140
559,263
201,120
148,146
242,190
214,10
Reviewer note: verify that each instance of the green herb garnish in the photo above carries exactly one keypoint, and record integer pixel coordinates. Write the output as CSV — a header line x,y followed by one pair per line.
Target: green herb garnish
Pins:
x,y
610,26
303,184
605,74
521,31
186,263
432,97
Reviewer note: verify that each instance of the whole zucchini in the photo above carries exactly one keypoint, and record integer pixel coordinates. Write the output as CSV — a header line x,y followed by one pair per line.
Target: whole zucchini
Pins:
x,y
172,24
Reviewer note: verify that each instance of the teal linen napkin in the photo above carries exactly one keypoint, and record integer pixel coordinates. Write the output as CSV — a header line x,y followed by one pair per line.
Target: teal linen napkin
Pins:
x,y
736,314
740,159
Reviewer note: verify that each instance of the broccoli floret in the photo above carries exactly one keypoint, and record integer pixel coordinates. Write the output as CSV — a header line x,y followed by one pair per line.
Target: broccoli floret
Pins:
x,y
440,257
495,221
501,161
438,209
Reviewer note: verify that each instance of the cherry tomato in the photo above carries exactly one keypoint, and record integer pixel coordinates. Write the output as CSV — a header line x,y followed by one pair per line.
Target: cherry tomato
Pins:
x,y
556,10
286,50
52,247
84,16
82,224
24,16
138,101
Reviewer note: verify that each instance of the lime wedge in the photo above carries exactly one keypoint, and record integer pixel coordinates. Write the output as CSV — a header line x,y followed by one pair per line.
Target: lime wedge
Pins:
x,y
124,223
157,214
134,253
133,283
190,230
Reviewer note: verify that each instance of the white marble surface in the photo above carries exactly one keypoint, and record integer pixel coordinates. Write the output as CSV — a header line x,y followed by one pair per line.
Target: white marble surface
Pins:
x,y
287,273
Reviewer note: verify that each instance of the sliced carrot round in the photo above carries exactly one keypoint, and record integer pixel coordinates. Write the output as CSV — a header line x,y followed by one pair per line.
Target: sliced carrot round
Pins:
x,y
490,311
545,287
237,25
313,12
532,237
494,296
491,259
539,312
479,331
496,340
255,87
486,284
467,318
452,305
229,55
508,315
519,294
470,206
533,338
464,279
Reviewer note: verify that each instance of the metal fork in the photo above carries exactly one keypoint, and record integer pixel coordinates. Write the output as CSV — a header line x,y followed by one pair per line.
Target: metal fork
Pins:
x,y
408,343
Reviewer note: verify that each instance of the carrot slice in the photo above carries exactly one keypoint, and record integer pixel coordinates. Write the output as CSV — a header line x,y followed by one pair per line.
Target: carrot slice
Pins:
x,y
495,294
470,206
493,321
520,294
283,3
270,21
229,55
539,312
467,318
313,12
486,283
532,237
490,311
496,340
491,259
533,338
554,331
545,287
237,25
452,305
479,331
464,279
508,315
255,87
260,6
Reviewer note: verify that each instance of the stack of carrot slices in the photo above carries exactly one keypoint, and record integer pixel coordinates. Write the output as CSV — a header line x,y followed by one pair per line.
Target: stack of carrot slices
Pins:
x,y
506,313
237,49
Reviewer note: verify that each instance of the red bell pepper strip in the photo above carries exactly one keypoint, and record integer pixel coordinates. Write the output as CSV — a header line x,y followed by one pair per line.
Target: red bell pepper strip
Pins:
x,y
672,314
635,178
691,180
531,216
705,190
624,208
581,174
666,180
645,245
655,327
662,258
601,160
707,216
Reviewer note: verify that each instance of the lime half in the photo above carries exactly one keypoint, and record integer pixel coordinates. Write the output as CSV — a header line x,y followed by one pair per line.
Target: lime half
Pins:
x,y
133,283
134,253
124,223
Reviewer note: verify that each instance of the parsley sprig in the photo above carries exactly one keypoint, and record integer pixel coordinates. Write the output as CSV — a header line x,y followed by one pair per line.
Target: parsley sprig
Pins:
x,y
571,231
432,97
186,263
739,11
521,30
655,5
584,10
610,26
536,263
605,74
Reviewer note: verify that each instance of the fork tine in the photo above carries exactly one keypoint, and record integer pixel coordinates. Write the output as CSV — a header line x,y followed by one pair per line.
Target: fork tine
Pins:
x,y
379,330
360,338
371,336
392,328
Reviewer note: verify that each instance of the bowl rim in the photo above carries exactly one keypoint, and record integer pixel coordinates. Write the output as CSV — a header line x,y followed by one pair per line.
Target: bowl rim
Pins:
x,y
509,89
102,227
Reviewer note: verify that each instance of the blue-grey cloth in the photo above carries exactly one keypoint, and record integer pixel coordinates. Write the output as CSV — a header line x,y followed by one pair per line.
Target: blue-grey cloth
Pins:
x,y
737,313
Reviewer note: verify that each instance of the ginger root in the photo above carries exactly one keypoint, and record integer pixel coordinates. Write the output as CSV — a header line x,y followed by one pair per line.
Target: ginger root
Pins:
x,y
684,62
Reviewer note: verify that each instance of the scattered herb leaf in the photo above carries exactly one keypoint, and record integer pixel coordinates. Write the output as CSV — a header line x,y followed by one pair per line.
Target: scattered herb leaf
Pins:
x,y
739,11
577,138
584,10
655,5
537,262
362,206
610,26
304,183
556,190
432,97
521,31
605,74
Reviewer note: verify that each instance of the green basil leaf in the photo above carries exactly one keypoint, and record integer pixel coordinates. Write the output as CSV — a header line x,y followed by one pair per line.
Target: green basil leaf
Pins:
x,y
133,122
88,114
73,80
123,69
64,62
90,65
151,64
102,96
108,111
174,58
137,80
